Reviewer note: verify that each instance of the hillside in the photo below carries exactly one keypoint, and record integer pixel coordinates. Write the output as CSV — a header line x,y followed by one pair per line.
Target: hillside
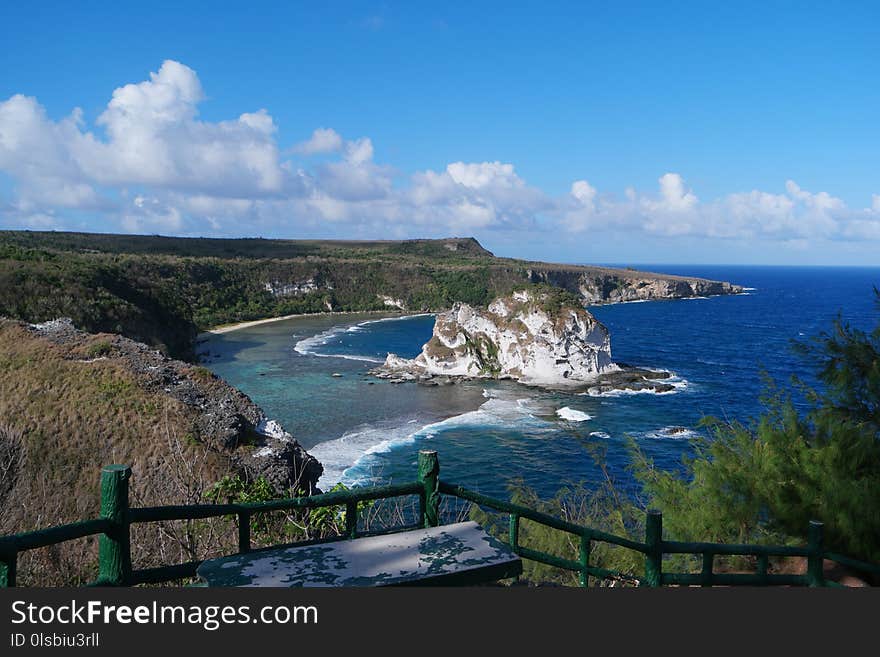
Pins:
x,y
72,402
163,290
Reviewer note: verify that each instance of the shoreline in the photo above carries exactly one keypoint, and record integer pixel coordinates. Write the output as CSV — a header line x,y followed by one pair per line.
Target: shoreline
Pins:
x,y
228,328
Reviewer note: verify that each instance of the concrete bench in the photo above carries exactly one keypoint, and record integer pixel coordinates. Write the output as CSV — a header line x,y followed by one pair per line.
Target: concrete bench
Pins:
x,y
461,553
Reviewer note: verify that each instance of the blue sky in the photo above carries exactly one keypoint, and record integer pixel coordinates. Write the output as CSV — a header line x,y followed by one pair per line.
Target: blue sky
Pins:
x,y
625,132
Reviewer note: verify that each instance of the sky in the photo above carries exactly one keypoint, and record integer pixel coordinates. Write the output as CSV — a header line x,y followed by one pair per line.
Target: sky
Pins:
x,y
625,132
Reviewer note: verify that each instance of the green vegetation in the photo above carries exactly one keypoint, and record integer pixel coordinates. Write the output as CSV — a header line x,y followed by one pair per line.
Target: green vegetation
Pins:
x,y
485,351
288,526
554,299
600,507
164,290
99,349
202,374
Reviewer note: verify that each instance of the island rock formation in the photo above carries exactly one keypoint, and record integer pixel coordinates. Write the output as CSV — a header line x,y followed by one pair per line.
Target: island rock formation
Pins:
x,y
532,336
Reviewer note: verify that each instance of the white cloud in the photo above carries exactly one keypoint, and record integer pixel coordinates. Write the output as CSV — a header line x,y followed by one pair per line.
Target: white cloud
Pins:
x,y
323,140
359,151
153,137
676,211
151,215
151,164
475,195
484,174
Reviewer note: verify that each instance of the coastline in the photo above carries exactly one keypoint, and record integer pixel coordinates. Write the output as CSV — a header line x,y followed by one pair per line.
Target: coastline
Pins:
x,y
228,328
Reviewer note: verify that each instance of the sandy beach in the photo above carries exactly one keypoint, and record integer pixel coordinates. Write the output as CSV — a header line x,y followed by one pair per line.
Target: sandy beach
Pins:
x,y
227,328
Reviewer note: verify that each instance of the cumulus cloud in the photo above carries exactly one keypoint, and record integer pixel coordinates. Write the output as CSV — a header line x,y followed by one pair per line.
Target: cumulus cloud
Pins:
x,y
150,214
151,164
323,140
153,138
675,210
471,195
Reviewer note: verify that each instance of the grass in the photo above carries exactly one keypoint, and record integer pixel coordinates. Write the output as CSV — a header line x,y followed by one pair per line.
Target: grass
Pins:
x,y
73,417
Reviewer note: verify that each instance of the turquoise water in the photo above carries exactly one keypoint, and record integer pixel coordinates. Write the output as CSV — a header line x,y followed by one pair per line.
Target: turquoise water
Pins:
x,y
487,433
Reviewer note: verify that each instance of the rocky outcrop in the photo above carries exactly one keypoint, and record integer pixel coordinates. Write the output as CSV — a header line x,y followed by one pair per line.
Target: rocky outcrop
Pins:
x,y
596,285
224,419
535,337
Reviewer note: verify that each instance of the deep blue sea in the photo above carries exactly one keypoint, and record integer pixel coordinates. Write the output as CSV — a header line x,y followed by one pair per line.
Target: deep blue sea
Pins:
x,y
488,433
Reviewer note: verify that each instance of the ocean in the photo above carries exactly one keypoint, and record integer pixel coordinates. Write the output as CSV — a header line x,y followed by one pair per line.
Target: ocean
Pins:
x,y
310,374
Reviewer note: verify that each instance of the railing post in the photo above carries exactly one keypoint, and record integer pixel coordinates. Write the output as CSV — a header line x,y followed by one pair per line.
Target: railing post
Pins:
x,y
762,567
244,532
708,565
654,542
7,570
429,477
351,518
585,560
114,547
513,531
815,570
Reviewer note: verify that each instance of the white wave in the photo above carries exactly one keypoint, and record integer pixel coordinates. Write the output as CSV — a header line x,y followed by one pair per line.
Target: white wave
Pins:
x,y
678,384
363,359
496,413
356,457
309,346
617,303
599,434
669,433
394,319
306,346
358,448
573,415
750,289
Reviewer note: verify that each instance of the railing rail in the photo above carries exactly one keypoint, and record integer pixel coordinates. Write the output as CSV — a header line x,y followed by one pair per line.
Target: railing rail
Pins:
x,y
113,529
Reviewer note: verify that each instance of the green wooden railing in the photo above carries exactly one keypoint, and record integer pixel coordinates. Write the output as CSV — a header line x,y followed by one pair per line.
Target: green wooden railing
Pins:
x,y
114,549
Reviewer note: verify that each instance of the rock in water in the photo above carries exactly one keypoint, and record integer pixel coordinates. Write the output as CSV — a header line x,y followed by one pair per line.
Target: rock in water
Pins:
x,y
532,336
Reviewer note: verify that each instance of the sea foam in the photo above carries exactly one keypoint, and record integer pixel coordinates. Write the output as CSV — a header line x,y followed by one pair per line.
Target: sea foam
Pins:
x,y
355,458
669,433
679,384
310,346
573,415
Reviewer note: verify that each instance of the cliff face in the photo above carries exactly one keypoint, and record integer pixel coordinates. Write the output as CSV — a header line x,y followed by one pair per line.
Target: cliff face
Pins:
x,y
598,285
108,399
527,336
72,402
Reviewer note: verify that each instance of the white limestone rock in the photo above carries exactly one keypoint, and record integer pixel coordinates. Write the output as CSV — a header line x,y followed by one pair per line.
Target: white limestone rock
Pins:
x,y
524,336
391,302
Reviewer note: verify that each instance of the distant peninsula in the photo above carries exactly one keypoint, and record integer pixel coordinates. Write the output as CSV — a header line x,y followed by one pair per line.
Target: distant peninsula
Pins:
x,y
164,290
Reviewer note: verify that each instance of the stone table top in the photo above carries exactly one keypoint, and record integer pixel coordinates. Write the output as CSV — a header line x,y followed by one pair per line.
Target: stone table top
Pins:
x,y
461,553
